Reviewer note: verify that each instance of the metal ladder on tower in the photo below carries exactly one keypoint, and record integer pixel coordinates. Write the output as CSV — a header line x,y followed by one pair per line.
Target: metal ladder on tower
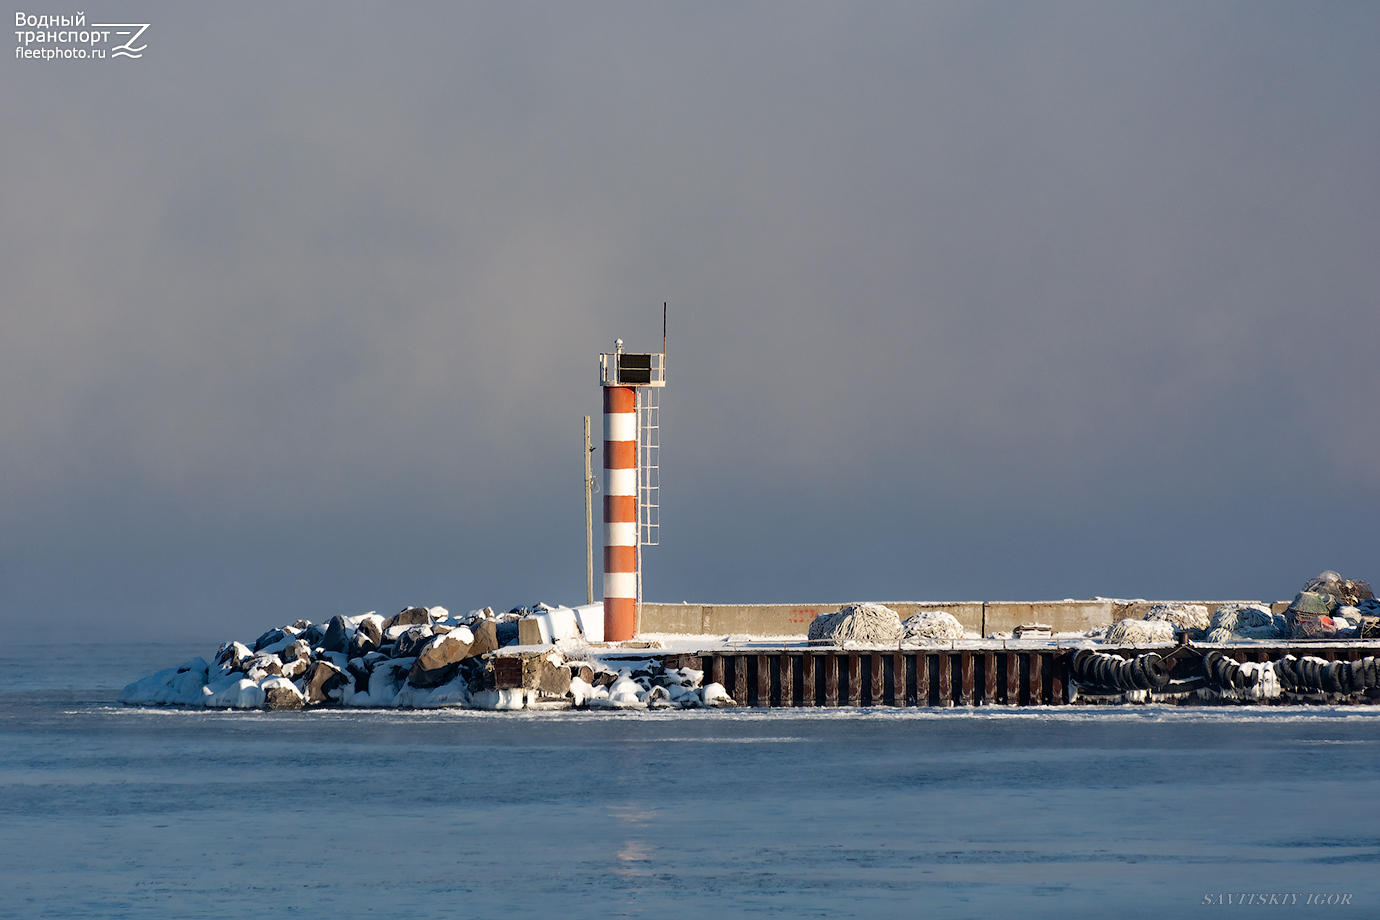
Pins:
x,y
648,473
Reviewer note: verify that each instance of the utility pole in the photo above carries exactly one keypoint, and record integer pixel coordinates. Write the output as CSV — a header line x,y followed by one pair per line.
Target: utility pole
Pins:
x,y
589,520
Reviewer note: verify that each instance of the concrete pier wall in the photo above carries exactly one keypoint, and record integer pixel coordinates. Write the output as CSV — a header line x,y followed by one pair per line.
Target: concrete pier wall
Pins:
x,y
982,617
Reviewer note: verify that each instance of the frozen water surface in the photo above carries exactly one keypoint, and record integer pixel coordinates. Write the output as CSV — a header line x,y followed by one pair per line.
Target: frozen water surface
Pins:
x,y
109,811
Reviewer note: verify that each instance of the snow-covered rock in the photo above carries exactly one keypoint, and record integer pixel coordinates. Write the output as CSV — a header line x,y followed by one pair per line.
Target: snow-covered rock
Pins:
x,y
233,691
412,616
500,699
715,695
580,691
445,649
454,693
325,683
281,693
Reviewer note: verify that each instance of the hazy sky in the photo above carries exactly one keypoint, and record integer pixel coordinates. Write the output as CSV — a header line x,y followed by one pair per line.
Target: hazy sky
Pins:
x,y
300,312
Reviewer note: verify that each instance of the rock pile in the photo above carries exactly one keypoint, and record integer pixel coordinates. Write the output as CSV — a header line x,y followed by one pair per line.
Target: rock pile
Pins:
x,y
650,687
420,658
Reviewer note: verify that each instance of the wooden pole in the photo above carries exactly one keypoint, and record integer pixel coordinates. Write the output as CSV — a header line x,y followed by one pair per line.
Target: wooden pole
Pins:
x,y
589,520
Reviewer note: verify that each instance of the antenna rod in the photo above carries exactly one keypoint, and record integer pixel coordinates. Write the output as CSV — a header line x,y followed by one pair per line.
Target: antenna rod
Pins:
x,y
663,336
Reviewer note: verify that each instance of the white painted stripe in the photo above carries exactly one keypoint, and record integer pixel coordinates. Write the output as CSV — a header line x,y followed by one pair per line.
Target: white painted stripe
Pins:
x,y
620,584
620,426
620,533
620,482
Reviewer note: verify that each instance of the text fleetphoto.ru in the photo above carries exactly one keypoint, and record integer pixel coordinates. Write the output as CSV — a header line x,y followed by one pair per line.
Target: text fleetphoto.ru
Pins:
x,y
71,38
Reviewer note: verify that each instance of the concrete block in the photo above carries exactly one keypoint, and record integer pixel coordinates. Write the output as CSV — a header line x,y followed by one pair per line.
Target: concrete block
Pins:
x,y
672,618
1062,616
983,618
776,619
530,632
968,613
590,620
559,624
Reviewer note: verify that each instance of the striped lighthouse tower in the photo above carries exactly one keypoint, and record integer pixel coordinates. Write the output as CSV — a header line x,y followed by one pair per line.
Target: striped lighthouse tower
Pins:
x,y
620,513
631,477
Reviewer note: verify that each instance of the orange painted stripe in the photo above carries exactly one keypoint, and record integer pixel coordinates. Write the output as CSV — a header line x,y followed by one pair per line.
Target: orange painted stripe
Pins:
x,y
620,455
620,618
620,399
620,509
620,558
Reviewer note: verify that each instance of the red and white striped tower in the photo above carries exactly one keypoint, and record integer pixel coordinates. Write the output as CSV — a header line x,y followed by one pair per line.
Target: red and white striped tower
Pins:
x,y
620,513
631,482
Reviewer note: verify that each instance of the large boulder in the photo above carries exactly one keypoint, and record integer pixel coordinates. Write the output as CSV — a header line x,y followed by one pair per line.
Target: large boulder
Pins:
x,y
439,659
268,638
262,666
232,691
386,679
281,693
452,693
295,668
442,650
412,616
419,676
337,638
485,639
361,643
296,650
411,642
358,668
552,679
313,635
324,683
231,656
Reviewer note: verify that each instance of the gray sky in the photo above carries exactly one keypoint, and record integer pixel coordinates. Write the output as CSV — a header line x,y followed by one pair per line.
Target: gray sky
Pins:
x,y
300,311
